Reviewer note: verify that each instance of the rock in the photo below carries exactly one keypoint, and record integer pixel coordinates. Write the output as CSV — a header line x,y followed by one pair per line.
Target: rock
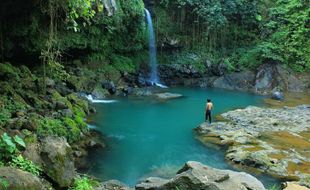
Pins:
x,y
277,95
196,176
21,180
100,93
167,95
110,86
152,183
261,139
273,75
175,74
236,81
112,185
63,89
67,113
219,69
50,83
61,105
58,161
294,186
143,92
32,152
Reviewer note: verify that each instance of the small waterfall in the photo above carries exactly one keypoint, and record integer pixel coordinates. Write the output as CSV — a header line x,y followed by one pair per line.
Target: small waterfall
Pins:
x,y
92,100
152,51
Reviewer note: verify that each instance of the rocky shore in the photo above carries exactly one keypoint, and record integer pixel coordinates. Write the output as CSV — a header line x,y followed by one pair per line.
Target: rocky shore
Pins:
x,y
272,141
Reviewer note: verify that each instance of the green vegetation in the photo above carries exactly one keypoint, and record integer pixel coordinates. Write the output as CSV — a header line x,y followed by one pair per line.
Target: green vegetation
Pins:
x,y
9,148
84,183
26,165
245,34
274,187
68,128
4,183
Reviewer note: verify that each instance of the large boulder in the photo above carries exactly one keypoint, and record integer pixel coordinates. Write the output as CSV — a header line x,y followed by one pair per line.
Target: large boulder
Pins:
x,y
196,176
57,160
277,95
272,76
20,180
236,81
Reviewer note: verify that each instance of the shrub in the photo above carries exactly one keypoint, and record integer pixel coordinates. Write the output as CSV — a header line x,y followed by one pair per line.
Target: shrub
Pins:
x,y
74,132
83,183
50,126
25,165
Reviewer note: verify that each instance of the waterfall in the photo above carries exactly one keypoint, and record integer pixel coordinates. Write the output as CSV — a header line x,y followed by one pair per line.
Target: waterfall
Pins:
x,y
152,50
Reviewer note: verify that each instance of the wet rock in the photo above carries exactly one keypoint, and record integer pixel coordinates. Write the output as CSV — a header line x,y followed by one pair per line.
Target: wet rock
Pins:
x,y
110,86
175,74
167,96
113,185
196,176
277,95
100,93
57,160
21,180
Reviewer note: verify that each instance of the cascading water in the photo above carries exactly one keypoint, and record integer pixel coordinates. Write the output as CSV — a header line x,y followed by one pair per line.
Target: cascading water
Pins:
x,y
152,52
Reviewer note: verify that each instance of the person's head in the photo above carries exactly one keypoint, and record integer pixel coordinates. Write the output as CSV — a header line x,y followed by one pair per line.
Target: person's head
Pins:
x,y
208,100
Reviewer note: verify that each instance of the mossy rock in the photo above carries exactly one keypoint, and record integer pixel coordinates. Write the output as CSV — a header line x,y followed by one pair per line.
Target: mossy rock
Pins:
x,y
6,88
77,101
60,102
58,161
21,180
9,72
25,72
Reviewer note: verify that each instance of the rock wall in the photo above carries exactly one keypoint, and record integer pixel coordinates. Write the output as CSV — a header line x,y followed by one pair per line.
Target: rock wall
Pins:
x,y
268,78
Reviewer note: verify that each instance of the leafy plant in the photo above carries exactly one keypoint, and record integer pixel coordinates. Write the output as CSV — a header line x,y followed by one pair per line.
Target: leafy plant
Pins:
x,y
275,187
83,183
9,146
25,165
4,183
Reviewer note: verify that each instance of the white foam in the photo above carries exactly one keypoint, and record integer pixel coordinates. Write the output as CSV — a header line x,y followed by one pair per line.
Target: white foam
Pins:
x,y
92,100
160,85
91,126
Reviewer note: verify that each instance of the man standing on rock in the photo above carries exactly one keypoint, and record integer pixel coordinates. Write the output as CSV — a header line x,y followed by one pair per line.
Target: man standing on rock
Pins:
x,y
209,107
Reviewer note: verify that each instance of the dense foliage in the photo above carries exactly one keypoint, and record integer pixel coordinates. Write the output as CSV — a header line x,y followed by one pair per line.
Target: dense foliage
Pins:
x,y
10,154
244,33
61,30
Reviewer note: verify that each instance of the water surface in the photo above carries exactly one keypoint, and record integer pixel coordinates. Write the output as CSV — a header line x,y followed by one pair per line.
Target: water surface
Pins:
x,y
147,137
